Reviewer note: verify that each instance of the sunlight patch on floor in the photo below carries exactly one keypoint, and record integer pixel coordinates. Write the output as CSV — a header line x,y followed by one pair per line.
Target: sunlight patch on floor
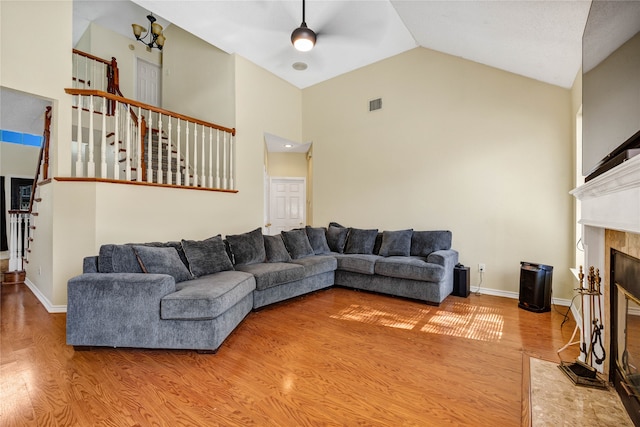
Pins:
x,y
464,321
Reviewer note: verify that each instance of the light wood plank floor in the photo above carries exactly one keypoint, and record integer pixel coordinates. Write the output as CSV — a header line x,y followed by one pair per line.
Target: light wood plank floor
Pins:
x,y
334,358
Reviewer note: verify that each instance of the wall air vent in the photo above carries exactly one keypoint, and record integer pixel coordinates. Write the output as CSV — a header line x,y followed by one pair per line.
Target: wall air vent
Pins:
x,y
375,104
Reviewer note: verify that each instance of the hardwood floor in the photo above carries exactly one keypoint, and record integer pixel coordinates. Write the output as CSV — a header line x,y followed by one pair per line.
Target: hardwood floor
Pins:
x,y
333,358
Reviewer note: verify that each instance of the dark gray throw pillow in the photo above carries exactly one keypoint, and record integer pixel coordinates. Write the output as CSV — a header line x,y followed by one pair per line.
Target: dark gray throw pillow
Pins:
x,y
318,239
337,238
160,260
117,259
361,241
275,249
247,248
207,256
297,243
425,242
396,243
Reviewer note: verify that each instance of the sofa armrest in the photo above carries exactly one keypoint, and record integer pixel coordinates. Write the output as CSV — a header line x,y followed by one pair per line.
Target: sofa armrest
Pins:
x,y
115,309
90,264
446,258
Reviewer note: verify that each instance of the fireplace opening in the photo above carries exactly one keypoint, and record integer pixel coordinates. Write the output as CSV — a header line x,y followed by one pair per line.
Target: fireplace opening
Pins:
x,y
625,330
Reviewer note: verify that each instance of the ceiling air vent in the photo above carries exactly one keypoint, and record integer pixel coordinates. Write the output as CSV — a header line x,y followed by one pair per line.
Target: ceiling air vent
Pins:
x,y
375,104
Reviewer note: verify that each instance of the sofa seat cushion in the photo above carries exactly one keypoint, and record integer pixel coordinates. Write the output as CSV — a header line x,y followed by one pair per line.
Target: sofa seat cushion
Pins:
x,y
207,297
357,263
412,267
273,274
317,264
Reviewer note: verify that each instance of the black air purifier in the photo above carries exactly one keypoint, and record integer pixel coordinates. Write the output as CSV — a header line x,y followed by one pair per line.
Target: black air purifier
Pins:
x,y
535,287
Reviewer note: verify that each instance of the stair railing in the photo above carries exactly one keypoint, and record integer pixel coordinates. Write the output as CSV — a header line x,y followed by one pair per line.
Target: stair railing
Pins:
x,y
21,221
176,150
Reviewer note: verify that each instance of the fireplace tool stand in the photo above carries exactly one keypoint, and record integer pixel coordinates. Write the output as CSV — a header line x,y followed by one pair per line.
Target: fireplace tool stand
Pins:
x,y
583,373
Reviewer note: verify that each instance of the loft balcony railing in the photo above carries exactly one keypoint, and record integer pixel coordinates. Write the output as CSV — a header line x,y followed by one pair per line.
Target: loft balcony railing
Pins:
x,y
125,140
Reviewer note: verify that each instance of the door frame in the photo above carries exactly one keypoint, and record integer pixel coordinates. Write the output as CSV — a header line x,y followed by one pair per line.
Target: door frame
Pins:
x,y
269,199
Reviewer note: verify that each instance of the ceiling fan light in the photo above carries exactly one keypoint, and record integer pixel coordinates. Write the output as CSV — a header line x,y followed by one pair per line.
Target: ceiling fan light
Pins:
x,y
303,38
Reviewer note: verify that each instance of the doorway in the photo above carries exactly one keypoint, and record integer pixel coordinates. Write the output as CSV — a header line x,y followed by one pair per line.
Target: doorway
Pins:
x,y
287,204
148,83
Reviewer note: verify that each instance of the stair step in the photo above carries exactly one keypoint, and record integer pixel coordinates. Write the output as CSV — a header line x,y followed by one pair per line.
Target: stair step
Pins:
x,y
38,199
34,213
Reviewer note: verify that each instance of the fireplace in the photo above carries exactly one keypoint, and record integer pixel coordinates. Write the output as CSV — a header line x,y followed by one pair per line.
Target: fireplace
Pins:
x,y
625,330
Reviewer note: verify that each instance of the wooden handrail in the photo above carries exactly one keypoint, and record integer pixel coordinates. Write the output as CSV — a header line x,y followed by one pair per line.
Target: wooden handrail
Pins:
x,y
44,155
88,55
17,211
88,92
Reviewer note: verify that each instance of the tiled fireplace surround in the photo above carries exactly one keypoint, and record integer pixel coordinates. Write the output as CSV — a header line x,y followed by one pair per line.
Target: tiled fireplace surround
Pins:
x,y
610,215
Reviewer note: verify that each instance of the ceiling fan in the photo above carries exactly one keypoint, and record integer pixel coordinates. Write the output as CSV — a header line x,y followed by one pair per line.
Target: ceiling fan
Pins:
x,y
303,37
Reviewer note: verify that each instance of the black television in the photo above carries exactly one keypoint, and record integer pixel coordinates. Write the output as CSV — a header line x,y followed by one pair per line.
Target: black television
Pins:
x,y
610,85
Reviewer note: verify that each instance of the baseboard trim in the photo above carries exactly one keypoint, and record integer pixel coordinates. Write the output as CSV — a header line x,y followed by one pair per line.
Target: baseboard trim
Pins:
x,y
516,295
44,300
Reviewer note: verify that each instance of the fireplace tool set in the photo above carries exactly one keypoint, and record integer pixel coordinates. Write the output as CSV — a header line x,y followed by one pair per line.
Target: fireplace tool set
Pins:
x,y
583,373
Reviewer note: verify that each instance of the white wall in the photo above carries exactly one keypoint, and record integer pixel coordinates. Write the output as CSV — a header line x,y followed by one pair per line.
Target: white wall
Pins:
x,y
458,146
287,164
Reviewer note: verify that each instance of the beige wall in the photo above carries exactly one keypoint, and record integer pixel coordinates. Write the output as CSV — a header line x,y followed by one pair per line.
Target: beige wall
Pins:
x,y
198,78
287,164
458,146
18,160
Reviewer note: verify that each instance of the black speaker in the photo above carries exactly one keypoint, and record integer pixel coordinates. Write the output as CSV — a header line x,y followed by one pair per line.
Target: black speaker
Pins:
x,y
535,287
460,281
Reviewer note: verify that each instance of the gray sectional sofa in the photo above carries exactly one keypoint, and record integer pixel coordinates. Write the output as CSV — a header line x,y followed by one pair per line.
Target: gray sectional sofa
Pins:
x,y
193,294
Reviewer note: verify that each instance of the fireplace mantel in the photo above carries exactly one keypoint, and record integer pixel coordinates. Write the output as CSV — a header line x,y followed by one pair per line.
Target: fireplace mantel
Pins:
x,y
612,200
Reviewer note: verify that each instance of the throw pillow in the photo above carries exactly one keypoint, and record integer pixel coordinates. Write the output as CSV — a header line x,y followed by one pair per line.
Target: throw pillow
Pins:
x,y
247,248
297,243
337,238
207,256
425,242
275,249
160,260
396,243
318,239
117,259
361,241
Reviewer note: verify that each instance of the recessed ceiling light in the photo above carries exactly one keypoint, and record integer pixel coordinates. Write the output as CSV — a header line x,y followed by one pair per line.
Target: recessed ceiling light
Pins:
x,y
300,66
288,145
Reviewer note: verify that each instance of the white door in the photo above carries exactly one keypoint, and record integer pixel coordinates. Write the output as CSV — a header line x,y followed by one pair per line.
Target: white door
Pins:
x,y
286,204
148,83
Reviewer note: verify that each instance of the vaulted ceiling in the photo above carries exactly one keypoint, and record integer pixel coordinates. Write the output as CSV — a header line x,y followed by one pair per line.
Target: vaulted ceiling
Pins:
x,y
540,39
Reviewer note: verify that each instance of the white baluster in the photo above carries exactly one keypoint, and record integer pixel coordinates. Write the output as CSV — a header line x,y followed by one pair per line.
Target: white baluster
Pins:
x,y
178,174
195,155
127,148
150,147
19,241
116,141
103,143
139,143
159,150
210,158
203,181
218,158
91,165
232,184
169,155
224,161
187,181
79,164
13,243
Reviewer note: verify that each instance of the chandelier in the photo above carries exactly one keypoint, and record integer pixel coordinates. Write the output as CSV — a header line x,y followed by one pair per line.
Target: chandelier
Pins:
x,y
154,36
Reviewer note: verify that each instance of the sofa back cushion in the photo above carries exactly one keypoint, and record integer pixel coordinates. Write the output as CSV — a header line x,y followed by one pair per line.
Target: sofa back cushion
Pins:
x,y
297,243
275,249
247,248
207,256
361,241
159,260
425,242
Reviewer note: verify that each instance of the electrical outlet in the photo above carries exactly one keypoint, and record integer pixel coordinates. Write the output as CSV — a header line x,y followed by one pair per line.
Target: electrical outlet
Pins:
x,y
481,268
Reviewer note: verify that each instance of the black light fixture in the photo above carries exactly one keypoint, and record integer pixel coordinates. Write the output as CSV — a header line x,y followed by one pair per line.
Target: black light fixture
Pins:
x,y
154,33
303,38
